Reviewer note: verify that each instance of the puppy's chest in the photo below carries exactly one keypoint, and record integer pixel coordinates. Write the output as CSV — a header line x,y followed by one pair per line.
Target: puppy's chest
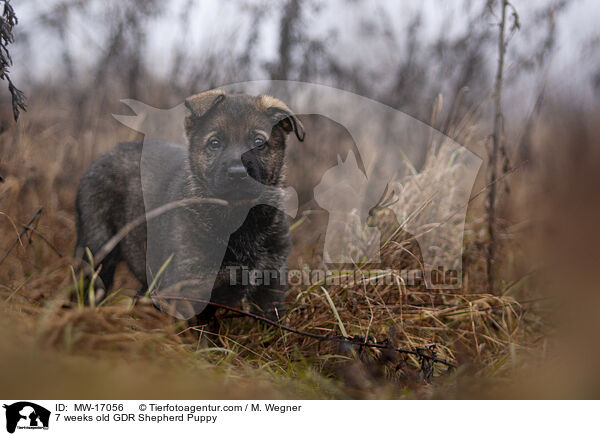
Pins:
x,y
247,249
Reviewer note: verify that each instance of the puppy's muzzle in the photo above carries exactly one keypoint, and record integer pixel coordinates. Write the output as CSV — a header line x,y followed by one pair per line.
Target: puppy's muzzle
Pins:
x,y
239,182
237,173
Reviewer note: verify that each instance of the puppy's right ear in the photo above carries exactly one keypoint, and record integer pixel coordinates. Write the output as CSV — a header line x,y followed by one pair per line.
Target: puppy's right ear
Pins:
x,y
199,105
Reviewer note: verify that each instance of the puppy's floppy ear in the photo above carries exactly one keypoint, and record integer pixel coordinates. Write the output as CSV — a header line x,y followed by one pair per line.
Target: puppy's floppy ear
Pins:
x,y
199,105
282,115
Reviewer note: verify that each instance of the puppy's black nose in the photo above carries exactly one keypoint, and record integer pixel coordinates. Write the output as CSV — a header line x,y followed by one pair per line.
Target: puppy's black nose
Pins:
x,y
237,172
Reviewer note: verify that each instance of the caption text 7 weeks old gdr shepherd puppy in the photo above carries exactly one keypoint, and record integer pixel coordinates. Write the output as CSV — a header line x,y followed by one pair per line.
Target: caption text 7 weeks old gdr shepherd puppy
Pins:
x,y
235,153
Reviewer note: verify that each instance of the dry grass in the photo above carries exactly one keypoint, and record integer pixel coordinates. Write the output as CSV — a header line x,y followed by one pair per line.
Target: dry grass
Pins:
x,y
58,349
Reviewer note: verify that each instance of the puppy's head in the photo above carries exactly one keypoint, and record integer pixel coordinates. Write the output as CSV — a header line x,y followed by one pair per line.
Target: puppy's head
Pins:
x,y
237,142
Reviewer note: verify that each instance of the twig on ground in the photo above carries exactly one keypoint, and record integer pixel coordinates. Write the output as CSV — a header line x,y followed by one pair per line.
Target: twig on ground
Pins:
x,y
424,358
36,232
25,229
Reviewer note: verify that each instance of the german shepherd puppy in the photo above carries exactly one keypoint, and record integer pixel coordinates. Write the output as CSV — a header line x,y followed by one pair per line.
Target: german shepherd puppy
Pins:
x,y
235,153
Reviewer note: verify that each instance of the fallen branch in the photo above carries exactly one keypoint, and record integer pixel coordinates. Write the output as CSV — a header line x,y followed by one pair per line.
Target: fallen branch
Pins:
x,y
424,358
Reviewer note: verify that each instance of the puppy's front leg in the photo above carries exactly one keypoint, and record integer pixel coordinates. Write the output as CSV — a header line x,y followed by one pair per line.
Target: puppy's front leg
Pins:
x,y
207,325
268,301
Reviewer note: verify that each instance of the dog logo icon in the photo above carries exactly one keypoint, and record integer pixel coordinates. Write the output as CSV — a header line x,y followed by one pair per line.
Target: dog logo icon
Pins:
x,y
26,415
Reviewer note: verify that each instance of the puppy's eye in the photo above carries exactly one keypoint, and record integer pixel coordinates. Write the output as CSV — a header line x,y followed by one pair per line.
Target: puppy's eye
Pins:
x,y
260,142
214,144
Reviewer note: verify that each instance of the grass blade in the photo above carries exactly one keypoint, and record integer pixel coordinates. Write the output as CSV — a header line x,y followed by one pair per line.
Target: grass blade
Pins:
x,y
335,312
160,271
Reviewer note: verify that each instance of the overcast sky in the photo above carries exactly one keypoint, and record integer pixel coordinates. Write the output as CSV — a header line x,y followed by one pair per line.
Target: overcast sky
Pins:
x,y
220,24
